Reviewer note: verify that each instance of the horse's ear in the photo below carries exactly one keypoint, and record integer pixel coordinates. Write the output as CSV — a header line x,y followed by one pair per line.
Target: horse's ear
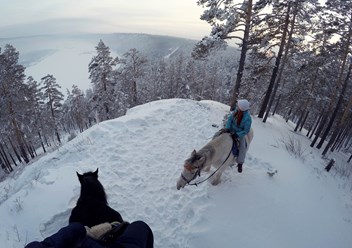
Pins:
x,y
79,176
96,172
193,153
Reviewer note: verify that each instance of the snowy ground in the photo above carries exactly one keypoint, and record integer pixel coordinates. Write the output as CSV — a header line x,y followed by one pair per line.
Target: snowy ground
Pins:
x,y
140,157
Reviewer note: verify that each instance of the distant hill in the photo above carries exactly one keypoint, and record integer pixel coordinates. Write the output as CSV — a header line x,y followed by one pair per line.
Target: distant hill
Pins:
x,y
35,48
67,56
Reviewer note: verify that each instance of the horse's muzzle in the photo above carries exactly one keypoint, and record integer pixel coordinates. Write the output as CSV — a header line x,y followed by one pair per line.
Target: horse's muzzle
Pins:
x,y
180,183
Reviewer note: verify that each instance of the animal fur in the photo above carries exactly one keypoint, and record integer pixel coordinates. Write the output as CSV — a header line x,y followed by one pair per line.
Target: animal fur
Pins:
x,y
213,154
92,206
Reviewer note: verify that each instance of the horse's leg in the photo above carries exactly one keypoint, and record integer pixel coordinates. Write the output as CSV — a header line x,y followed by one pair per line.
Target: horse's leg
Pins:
x,y
216,179
217,176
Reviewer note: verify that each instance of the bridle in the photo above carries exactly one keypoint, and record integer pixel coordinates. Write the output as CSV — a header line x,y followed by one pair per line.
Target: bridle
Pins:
x,y
199,168
195,174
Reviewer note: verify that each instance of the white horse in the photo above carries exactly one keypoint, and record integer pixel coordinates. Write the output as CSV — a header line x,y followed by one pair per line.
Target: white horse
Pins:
x,y
217,153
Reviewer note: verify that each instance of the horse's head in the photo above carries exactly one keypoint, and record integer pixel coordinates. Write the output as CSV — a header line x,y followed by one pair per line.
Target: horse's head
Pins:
x,y
91,187
88,175
191,169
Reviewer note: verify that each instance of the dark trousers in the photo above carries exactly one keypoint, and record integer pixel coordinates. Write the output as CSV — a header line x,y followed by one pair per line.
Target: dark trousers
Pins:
x,y
136,235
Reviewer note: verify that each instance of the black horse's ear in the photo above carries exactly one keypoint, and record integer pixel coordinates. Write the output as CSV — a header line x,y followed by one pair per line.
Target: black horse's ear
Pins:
x,y
79,176
96,172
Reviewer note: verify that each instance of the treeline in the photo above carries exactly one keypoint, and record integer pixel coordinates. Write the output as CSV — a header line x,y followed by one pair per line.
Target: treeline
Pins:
x,y
294,61
35,114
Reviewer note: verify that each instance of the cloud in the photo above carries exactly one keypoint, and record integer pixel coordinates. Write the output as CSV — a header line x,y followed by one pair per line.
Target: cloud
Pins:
x,y
175,18
57,26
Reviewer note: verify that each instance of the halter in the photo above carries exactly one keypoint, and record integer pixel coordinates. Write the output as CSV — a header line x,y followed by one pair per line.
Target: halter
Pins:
x,y
197,173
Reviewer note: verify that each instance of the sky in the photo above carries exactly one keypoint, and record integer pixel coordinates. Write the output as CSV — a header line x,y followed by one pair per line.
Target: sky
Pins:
x,y
140,157
163,17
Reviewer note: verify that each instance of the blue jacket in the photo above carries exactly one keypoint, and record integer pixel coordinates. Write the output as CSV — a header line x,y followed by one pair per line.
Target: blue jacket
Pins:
x,y
244,127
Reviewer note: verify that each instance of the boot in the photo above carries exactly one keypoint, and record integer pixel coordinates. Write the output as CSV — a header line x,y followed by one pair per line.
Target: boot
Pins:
x,y
239,168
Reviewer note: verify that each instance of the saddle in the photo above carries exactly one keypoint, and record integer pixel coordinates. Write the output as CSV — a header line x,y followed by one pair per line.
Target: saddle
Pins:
x,y
236,143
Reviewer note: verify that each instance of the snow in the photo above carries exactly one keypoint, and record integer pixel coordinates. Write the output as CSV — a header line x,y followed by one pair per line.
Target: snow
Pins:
x,y
140,157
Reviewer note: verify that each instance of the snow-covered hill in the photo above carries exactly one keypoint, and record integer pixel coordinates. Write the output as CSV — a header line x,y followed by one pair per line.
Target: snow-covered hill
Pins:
x,y
140,157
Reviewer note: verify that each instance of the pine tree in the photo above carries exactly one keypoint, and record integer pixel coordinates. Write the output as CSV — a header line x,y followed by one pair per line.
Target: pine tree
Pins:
x,y
13,100
340,12
131,69
227,19
35,100
52,97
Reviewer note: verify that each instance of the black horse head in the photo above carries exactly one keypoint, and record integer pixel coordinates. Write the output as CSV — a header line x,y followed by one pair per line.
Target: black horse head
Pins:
x,y
91,188
92,206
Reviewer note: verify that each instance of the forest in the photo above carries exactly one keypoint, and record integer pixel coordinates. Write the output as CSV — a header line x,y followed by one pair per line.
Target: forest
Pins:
x,y
294,60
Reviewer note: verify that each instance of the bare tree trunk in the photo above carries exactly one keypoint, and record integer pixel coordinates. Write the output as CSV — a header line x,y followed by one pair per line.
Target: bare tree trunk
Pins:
x,y
41,141
5,158
284,60
338,139
15,150
277,104
288,115
339,82
332,140
316,125
277,64
338,106
322,123
244,49
299,121
304,121
347,143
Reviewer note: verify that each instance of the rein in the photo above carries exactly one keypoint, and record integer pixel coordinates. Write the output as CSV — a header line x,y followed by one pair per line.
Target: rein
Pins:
x,y
197,173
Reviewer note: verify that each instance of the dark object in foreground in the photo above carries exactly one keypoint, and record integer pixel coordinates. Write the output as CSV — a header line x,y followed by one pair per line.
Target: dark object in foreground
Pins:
x,y
92,206
330,165
135,235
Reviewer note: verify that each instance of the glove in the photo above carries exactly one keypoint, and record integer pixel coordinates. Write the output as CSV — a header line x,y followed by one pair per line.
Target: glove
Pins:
x,y
234,135
224,130
97,231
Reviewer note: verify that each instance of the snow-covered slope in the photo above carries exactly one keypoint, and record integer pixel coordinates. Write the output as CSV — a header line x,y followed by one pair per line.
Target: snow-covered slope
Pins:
x,y
140,157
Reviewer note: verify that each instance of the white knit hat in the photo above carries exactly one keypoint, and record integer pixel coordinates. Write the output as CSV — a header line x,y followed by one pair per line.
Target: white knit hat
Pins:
x,y
243,104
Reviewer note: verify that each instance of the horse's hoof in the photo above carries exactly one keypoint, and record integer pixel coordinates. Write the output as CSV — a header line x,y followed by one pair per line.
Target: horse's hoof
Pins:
x,y
215,182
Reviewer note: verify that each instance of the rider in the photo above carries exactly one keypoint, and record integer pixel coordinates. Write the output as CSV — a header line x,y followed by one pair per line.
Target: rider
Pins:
x,y
75,235
239,124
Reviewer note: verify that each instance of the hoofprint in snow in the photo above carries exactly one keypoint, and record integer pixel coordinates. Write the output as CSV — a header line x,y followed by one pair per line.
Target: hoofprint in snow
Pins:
x,y
140,157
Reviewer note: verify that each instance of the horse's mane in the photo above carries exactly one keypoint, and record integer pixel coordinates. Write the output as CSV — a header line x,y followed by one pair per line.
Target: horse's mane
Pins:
x,y
207,151
91,188
192,158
